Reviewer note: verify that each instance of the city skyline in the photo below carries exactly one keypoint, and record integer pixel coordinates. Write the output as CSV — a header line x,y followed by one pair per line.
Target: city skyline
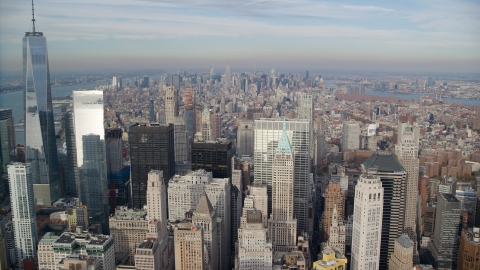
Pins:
x,y
413,36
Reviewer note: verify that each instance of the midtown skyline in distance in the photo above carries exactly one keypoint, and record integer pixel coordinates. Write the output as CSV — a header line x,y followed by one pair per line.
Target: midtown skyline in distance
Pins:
x,y
415,36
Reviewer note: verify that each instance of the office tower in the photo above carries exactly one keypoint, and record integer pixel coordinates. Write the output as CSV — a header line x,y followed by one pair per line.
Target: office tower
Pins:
x,y
46,259
407,153
145,82
176,79
282,226
151,148
72,183
245,141
254,247
184,194
443,248
236,203
205,217
402,258
180,138
267,136
331,259
367,223
147,255
23,211
152,114
319,143
350,136
117,173
98,247
469,252
216,125
228,76
91,156
40,142
334,199
157,210
189,112
189,247
213,156
337,232
3,244
171,104
206,126
393,177
257,199
128,227
116,83
7,148
305,111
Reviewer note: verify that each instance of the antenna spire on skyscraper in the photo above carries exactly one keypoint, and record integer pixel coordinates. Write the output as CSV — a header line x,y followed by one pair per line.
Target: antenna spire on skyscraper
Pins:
x,y
33,18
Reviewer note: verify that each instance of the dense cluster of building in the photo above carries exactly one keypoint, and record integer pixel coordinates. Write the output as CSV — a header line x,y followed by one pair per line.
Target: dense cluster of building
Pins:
x,y
238,171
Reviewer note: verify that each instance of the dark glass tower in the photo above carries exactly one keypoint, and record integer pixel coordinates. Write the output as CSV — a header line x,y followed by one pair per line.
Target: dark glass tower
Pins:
x,y
72,187
151,148
213,156
40,142
117,173
7,148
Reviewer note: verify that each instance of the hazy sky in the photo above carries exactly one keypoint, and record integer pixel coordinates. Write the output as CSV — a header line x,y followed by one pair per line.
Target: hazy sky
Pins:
x,y
407,35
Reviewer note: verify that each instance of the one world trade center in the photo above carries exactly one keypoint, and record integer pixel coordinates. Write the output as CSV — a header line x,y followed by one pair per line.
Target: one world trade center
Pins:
x,y
40,142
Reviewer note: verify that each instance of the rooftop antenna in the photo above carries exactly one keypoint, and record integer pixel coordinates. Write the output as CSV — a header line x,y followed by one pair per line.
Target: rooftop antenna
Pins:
x,y
33,18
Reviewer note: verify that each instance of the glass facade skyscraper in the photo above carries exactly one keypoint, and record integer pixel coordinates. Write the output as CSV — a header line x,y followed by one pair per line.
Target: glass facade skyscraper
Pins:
x,y
40,143
91,156
267,135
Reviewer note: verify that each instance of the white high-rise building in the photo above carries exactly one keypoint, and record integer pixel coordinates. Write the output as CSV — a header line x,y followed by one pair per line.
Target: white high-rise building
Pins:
x,y
206,218
91,153
367,223
184,194
267,137
254,248
305,111
407,153
282,226
23,211
206,125
350,135
171,104
157,210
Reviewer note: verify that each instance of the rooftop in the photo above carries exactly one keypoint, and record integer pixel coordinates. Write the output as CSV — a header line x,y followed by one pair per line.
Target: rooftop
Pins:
x,y
404,241
383,162
450,197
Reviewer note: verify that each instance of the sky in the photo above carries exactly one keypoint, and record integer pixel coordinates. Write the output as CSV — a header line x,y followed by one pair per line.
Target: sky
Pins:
x,y
397,36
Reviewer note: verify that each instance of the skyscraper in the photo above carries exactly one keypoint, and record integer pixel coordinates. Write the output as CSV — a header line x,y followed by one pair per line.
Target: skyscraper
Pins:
x,y
7,148
40,142
245,135
402,258
228,76
189,112
152,115
91,156
367,223
350,136
151,148
189,247
171,104
443,248
206,125
23,212
393,177
305,111
213,156
117,173
267,136
72,184
407,153
205,217
282,226
334,199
